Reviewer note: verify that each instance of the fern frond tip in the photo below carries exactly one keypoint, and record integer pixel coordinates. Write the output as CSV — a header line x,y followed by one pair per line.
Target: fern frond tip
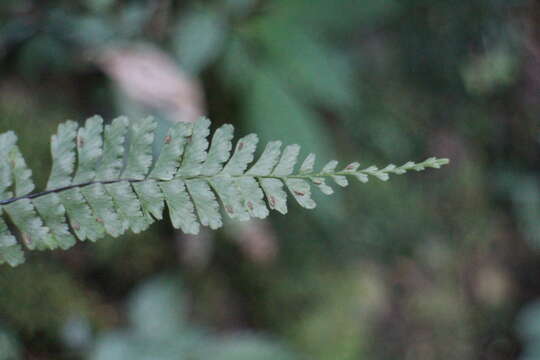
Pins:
x,y
101,184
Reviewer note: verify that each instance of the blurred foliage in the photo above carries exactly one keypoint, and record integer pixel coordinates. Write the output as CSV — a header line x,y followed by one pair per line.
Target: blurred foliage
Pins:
x,y
158,330
529,329
9,347
434,267
58,293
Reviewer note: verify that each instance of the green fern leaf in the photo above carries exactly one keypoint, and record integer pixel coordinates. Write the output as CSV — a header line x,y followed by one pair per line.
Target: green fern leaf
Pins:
x,y
301,191
63,155
89,148
252,197
220,150
104,180
242,156
180,206
277,197
102,204
140,150
113,149
24,215
205,203
84,223
128,207
308,165
195,153
54,215
287,161
169,158
10,251
228,193
151,198
267,161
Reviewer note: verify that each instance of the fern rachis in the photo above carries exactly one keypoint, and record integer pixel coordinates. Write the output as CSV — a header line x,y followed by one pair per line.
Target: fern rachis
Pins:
x,y
102,184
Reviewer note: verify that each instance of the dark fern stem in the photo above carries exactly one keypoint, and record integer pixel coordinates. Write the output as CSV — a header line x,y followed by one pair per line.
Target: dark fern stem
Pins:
x,y
64,188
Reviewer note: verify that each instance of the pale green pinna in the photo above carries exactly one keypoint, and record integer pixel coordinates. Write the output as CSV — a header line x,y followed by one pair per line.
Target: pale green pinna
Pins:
x,y
102,184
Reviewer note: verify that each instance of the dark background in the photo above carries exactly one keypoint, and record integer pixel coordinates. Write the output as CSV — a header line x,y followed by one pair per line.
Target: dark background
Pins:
x,y
437,265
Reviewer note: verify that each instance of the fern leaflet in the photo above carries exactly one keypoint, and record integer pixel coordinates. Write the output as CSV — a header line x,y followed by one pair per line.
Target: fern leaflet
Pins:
x,y
100,183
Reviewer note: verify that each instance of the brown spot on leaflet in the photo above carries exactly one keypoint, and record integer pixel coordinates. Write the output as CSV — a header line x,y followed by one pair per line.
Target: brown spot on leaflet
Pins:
x,y
299,193
168,139
250,205
240,145
229,209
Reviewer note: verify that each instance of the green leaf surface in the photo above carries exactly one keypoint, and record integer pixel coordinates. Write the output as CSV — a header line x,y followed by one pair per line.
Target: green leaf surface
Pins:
x,y
128,207
287,161
242,156
81,218
301,191
268,160
252,196
186,179
63,155
181,210
10,251
195,152
275,195
5,179
151,198
22,175
89,149
53,213
140,149
113,149
205,202
229,195
102,204
308,164
24,216
220,150
169,158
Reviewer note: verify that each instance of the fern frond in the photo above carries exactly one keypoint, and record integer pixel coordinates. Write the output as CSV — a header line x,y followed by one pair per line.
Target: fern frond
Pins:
x,y
104,180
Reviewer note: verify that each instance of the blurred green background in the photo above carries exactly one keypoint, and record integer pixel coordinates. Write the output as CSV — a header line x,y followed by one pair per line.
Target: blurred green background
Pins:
x,y
437,265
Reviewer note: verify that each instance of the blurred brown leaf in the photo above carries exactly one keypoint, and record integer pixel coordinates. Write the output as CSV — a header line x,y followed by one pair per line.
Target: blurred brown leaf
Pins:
x,y
152,78
257,240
